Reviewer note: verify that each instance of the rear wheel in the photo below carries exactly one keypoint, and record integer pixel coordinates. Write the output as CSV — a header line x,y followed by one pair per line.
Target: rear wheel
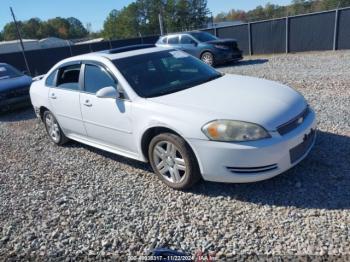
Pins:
x,y
53,129
208,58
173,161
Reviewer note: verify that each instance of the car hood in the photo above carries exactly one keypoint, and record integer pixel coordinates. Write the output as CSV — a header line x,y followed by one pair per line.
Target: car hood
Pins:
x,y
242,98
10,84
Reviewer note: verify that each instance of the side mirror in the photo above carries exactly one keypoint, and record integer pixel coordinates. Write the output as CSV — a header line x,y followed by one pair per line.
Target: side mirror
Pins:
x,y
25,72
195,43
108,92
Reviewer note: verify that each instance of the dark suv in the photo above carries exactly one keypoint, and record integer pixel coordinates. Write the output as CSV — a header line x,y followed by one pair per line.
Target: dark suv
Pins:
x,y
207,47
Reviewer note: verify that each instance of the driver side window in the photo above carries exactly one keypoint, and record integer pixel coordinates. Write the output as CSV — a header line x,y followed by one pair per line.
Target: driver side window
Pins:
x,y
186,40
97,77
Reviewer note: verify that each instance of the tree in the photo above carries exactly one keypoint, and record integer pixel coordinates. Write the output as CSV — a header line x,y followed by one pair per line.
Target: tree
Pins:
x,y
61,27
110,26
37,29
76,28
32,28
1,36
10,32
198,13
141,16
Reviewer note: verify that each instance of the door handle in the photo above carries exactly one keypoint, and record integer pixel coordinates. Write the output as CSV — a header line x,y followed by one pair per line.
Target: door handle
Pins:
x,y
53,96
87,103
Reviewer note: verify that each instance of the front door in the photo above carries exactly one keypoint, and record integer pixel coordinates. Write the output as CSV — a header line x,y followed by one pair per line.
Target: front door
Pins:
x,y
189,45
107,120
64,99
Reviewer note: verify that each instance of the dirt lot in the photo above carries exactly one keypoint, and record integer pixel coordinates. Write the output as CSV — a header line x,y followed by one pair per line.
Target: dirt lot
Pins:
x,y
76,201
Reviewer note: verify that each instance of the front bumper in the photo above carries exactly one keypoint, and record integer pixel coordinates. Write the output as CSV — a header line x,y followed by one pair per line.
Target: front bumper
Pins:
x,y
14,103
256,160
229,55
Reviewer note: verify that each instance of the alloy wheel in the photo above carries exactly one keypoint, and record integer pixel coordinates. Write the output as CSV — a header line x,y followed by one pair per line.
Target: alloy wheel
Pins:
x,y
207,58
169,161
53,128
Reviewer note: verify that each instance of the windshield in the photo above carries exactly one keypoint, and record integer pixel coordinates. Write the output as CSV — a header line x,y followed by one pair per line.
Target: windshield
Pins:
x,y
165,72
203,36
7,71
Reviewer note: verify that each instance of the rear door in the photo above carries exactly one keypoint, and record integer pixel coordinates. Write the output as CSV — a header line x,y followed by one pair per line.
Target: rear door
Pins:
x,y
107,120
174,41
64,99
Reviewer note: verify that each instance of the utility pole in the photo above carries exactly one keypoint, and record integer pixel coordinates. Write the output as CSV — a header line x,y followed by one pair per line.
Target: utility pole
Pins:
x,y
20,39
160,17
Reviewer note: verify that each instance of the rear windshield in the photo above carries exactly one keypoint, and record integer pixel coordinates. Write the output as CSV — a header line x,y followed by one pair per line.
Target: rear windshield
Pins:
x,y
164,72
7,71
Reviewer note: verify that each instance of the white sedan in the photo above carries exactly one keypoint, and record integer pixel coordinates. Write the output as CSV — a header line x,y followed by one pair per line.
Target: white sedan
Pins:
x,y
169,108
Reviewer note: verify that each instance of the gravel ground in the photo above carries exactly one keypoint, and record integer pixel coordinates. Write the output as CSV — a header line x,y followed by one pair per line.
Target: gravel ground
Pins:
x,y
78,201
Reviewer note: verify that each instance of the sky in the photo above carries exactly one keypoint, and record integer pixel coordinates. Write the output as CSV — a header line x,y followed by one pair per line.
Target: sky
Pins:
x,y
96,11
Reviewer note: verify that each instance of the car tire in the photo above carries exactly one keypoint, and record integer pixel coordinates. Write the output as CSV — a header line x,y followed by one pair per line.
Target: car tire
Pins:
x,y
173,161
53,129
208,58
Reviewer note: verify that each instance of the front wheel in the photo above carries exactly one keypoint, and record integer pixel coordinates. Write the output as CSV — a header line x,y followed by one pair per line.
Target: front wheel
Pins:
x,y
208,58
173,161
53,129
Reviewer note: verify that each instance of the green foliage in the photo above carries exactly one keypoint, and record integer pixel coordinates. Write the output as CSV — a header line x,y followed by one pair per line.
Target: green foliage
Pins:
x,y
9,32
34,28
271,11
76,28
141,17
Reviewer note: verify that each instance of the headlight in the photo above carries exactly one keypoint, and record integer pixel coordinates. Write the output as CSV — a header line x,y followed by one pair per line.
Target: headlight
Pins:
x,y
222,47
234,131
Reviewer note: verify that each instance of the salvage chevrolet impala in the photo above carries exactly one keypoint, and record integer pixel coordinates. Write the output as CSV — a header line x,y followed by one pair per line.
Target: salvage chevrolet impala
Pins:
x,y
168,108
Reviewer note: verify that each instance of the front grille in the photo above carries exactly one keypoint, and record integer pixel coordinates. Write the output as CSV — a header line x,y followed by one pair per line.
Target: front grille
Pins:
x,y
14,93
247,170
293,123
299,151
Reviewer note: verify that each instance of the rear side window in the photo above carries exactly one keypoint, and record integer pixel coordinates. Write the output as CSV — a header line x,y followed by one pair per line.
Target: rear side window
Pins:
x,y
51,79
97,77
68,77
174,40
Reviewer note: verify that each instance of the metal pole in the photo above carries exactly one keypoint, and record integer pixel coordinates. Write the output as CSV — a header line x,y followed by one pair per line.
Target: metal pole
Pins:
x,y
287,35
21,42
70,48
140,36
161,24
335,36
250,39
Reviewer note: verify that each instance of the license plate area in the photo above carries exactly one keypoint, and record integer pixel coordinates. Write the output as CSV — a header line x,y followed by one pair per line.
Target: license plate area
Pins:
x,y
297,152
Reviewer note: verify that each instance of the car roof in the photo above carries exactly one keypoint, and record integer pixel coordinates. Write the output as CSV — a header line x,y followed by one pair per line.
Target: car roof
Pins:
x,y
115,55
